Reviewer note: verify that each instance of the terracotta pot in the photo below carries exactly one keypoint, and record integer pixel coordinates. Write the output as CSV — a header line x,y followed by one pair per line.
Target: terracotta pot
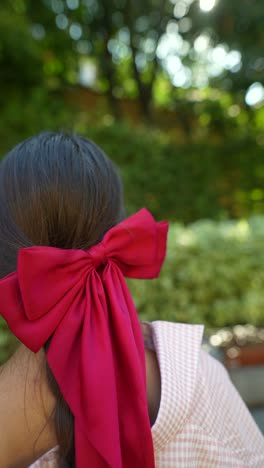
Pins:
x,y
247,355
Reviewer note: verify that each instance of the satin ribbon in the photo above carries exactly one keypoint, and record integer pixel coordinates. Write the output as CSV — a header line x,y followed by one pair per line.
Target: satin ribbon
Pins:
x,y
81,301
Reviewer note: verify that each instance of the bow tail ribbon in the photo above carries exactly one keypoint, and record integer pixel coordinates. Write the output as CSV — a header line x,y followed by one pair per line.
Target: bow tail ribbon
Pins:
x,y
105,364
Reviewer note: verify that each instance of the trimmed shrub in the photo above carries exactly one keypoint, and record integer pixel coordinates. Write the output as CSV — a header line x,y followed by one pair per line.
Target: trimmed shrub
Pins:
x,y
177,181
184,182
213,274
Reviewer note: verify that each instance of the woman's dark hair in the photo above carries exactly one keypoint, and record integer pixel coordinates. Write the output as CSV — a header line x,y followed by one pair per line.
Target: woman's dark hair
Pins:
x,y
62,191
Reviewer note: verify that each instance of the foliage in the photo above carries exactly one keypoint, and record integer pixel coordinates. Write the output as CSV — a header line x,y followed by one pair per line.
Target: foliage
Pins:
x,y
139,48
30,112
188,181
64,32
239,26
32,54
17,48
7,342
213,275
176,181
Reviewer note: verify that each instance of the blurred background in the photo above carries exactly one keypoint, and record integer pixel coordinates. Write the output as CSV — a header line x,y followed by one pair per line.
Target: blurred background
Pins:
x,y
173,91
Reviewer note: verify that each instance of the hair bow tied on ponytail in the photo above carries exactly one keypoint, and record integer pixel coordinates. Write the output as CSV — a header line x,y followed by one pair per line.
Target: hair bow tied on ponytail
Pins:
x,y
81,301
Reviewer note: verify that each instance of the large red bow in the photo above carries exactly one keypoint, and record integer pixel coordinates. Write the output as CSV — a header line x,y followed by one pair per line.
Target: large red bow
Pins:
x,y
81,300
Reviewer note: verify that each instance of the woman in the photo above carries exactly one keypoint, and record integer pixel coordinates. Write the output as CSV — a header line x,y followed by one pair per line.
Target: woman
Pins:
x,y
92,395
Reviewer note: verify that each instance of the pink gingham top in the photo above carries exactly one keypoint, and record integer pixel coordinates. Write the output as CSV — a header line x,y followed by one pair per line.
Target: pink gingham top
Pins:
x,y
202,421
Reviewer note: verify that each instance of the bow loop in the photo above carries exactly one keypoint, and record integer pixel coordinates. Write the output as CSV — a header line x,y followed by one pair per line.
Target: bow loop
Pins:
x,y
49,275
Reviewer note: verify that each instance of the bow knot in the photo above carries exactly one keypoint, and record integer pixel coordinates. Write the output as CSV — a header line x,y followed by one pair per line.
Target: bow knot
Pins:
x,y
98,255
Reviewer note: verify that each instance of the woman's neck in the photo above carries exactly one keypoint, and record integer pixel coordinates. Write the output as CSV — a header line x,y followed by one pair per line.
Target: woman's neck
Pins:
x,y
26,406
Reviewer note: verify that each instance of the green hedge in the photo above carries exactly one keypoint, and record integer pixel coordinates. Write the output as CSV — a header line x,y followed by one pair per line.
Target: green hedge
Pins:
x,y
213,274
185,182
180,182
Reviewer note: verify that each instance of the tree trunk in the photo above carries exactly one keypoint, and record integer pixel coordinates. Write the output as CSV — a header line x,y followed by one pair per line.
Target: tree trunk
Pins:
x,y
106,63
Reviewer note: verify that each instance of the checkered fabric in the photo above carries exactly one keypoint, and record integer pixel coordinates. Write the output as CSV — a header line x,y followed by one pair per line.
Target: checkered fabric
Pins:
x,y
49,460
202,421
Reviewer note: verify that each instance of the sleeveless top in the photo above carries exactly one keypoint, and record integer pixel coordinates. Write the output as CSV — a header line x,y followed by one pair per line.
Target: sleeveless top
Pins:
x,y
202,421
